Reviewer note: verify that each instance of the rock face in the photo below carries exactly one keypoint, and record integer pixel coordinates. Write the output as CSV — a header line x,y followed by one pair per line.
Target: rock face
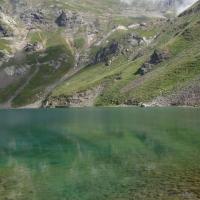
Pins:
x,y
33,16
146,67
106,54
83,59
126,46
157,57
14,71
135,40
2,55
31,47
69,20
4,32
81,99
189,95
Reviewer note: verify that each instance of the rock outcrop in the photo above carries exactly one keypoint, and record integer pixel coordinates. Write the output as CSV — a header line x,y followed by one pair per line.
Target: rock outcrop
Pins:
x,y
135,40
106,54
157,57
80,99
69,20
188,95
5,32
31,47
33,16
16,71
127,45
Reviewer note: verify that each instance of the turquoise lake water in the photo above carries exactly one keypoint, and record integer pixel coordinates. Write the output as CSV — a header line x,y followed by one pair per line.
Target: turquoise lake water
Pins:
x,y
100,154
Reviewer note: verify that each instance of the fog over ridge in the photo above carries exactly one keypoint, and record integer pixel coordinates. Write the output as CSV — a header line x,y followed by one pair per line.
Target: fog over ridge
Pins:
x,y
179,5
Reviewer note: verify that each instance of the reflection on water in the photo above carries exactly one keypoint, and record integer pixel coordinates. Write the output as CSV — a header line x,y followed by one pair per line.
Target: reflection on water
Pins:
x,y
100,153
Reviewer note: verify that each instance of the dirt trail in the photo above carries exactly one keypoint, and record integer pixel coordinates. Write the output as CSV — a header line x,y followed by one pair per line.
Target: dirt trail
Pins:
x,y
68,75
122,28
8,104
18,42
49,89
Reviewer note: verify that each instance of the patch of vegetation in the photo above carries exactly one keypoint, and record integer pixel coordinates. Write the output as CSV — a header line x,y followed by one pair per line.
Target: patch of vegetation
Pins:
x,y
179,38
46,75
4,45
37,36
89,77
126,21
147,32
79,42
167,78
6,93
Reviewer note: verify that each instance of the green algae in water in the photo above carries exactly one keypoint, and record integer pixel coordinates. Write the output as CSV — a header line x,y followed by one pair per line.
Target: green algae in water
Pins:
x,y
100,153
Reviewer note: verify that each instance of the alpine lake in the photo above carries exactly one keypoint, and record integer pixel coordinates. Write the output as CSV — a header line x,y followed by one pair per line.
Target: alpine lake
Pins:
x,y
125,153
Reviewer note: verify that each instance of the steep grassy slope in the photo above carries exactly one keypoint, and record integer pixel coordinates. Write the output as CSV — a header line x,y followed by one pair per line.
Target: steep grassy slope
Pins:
x,y
27,76
49,70
121,83
51,63
69,61
183,65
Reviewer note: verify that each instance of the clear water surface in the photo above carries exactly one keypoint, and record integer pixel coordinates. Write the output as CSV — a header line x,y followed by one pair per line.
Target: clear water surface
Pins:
x,y
100,154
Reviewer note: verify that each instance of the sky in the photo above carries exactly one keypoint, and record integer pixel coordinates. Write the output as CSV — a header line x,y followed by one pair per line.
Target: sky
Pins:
x,y
186,4
180,7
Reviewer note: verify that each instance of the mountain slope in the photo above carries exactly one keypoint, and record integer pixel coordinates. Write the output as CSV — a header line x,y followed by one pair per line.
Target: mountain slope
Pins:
x,y
87,52
50,39
170,81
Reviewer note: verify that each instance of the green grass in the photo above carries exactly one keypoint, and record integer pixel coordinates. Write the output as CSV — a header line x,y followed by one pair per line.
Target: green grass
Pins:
x,y
7,92
182,67
79,42
57,49
4,45
181,39
149,32
38,36
126,21
89,77
111,95
47,75
167,78
105,76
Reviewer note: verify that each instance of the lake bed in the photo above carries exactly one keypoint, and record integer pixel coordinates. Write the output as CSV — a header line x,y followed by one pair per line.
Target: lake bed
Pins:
x,y
100,153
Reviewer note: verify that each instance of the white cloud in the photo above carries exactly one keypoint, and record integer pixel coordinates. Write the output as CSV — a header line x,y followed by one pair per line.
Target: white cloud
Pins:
x,y
185,5
180,5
